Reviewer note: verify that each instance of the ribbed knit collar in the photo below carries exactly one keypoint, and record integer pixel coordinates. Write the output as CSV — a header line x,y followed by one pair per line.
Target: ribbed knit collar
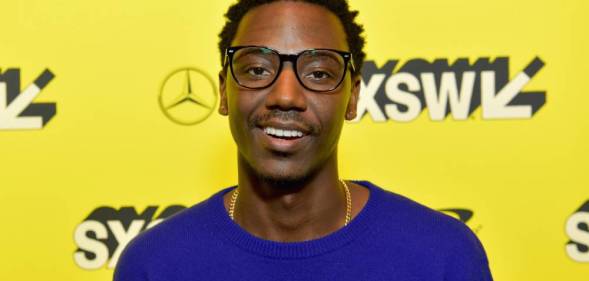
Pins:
x,y
226,228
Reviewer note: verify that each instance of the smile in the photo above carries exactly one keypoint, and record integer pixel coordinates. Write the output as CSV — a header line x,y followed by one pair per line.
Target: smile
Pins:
x,y
284,139
283,133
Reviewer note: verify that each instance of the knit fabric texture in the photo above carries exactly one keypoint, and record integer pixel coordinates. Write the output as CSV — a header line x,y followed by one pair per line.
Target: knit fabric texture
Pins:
x,y
392,238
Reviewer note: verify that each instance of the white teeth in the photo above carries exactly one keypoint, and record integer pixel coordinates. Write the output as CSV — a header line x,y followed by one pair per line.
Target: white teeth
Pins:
x,y
282,133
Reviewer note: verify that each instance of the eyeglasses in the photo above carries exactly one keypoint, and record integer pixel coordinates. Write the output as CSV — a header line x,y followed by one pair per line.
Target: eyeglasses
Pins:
x,y
258,67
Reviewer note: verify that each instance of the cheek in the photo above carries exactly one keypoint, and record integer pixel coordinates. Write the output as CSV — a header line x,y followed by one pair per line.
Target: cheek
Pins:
x,y
242,102
237,104
333,115
330,111
242,106
236,113
232,96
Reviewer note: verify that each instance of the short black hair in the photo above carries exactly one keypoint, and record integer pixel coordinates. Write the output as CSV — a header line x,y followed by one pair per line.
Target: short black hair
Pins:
x,y
340,8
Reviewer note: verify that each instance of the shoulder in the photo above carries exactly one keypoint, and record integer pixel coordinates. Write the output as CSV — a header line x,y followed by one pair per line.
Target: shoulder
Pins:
x,y
421,224
430,234
182,232
175,228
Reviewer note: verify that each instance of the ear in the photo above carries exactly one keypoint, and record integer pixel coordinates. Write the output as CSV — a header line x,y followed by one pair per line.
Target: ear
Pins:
x,y
351,111
223,109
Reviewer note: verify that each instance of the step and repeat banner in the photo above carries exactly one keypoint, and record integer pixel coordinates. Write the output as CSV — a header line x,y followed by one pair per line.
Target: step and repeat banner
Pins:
x,y
108,125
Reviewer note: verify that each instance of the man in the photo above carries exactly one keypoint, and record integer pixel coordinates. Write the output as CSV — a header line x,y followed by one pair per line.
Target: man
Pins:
x,y
291,75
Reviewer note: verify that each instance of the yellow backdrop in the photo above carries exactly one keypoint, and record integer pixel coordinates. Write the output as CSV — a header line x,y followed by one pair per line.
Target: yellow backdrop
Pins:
x,y
99,136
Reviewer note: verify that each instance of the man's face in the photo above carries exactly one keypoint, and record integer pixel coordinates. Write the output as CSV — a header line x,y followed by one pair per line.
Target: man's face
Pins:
x,y
289,28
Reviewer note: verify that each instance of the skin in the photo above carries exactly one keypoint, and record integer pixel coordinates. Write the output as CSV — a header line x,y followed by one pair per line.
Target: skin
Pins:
x,y
290,194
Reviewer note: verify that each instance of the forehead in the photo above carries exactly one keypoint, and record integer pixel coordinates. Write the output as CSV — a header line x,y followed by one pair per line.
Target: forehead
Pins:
x,y
291,26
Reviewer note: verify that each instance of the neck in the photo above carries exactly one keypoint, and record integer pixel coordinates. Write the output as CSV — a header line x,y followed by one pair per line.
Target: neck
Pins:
x,y
295,211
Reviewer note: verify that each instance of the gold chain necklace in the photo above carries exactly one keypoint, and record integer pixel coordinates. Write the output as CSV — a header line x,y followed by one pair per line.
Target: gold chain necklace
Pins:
x,y
348,203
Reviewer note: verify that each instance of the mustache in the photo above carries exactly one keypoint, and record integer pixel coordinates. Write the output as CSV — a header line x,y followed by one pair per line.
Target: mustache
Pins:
x,y
283,116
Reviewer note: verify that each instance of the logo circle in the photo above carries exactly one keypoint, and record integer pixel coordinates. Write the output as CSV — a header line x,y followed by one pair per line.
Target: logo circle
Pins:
x,y
188,96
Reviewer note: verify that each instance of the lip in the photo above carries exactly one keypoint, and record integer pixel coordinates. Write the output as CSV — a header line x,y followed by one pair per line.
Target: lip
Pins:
x,y
282,145
306,130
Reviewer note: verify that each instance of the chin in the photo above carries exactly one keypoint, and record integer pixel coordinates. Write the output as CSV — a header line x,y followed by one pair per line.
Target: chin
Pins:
x,y
282,170
284,176
282,173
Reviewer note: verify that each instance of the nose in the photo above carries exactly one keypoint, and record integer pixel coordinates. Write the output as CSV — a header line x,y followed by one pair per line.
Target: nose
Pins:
x,y
287,93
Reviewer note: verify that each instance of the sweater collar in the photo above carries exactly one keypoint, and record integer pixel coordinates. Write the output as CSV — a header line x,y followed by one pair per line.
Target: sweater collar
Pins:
x,y
229,230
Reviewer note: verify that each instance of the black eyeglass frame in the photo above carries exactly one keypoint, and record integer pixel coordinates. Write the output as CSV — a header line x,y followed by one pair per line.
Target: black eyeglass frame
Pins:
x,y
293,58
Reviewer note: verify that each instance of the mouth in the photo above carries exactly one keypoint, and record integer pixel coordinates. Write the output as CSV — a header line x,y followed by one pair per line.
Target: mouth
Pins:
x,y
283,133
283,138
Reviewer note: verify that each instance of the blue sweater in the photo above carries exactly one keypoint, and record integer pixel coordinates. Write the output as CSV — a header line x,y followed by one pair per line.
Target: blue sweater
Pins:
x,y
392,238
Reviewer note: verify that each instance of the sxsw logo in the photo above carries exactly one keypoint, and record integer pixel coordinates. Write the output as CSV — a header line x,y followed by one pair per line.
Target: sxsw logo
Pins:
x,y
577,230
103,235
17,110
401,92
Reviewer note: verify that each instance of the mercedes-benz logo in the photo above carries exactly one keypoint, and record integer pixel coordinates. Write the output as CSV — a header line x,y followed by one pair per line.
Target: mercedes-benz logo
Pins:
x,y
188,96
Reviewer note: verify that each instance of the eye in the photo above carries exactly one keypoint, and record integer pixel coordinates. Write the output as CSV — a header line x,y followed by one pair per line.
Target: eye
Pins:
x,y
318,75
258,71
